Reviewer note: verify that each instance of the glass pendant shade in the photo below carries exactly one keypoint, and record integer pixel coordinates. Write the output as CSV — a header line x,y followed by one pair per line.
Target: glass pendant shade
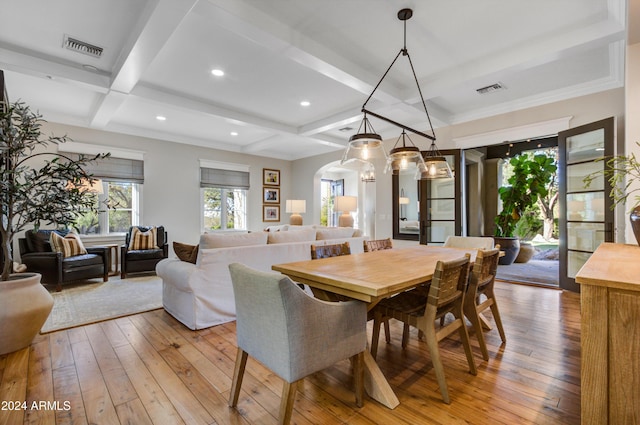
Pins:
x,y
366,145
404,156
435,167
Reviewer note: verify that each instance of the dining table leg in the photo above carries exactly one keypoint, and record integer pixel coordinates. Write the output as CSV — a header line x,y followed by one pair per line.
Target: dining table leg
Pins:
x,y
376,384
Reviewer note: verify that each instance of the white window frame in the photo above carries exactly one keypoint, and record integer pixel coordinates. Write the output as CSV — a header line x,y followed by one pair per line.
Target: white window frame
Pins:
x,y
223,211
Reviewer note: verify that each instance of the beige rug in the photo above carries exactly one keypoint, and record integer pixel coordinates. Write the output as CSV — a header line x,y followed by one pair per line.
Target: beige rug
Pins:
x,y
94,301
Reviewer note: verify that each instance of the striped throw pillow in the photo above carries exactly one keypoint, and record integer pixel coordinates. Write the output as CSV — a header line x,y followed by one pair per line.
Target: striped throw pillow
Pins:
x,y
69,245
143,240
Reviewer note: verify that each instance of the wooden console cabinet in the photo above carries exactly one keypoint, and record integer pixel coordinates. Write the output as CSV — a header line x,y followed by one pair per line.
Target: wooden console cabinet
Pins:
x,y
610,335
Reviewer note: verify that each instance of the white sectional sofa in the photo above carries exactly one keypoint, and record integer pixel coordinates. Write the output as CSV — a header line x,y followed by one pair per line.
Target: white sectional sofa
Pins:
x,y
200,295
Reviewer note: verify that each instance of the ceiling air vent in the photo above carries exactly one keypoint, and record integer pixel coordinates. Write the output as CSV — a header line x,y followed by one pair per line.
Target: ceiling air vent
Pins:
x,y
82,47
491,88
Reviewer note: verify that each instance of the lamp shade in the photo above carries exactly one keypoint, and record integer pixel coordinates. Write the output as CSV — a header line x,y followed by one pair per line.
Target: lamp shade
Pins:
x,y
404,200
346,203
296,206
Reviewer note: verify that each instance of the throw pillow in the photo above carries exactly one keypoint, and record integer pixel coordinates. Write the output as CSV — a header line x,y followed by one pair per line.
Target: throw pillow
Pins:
x,y
143,240
69,245
184,252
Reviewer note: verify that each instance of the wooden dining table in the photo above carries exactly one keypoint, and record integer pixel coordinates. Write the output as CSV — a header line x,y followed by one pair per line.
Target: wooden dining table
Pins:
x,y
371,277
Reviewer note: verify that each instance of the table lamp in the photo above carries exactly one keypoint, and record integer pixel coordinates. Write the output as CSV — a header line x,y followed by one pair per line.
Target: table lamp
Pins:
x,y
346,204
295,207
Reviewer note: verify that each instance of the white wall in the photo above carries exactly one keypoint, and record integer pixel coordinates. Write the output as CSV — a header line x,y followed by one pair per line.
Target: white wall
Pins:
x,y
171,192
632,125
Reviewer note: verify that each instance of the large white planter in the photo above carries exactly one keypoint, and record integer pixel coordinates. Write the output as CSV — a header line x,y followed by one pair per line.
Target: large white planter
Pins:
x,y
24,307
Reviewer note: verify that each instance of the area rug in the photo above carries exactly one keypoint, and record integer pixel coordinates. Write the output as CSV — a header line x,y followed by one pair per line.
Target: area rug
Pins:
x,y
87,302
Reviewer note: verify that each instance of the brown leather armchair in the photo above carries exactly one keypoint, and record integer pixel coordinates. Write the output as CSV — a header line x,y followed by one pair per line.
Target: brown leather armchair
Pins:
x,y
143,260
36,253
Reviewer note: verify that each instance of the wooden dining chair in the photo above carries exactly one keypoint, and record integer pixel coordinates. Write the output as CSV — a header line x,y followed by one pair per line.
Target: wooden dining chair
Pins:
x,y
446,295
481,283
377,245
332,250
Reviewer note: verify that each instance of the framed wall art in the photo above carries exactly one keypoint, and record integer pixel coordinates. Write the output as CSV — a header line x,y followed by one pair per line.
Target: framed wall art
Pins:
x,y
271,213
270,177
271,195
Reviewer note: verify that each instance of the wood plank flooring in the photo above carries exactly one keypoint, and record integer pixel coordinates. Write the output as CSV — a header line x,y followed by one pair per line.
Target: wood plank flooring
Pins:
x,y
150,369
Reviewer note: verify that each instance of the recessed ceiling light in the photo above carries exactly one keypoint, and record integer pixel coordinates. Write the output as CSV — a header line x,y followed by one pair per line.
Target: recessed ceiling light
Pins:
x,y
217,72
161,118
305,103
233,133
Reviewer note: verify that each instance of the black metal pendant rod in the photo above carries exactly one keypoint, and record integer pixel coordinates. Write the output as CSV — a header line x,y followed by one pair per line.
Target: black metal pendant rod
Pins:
x,y
397,124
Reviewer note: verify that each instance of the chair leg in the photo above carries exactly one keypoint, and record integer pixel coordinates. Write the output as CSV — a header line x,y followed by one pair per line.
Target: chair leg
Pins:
x,y
286,403
377,318
405,335
358,377
387,332
498,320
434,351
238,374
472,314
464,336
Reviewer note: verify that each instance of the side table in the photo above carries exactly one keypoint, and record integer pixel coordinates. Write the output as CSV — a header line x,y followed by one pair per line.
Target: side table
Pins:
x,y
114,261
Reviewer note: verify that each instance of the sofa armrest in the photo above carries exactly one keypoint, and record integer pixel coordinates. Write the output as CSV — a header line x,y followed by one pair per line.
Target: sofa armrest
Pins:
x,y
176,273
102,251
39,260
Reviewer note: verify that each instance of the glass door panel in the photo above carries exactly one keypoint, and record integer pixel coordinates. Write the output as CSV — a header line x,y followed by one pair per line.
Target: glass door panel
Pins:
x,y
440,204
586,219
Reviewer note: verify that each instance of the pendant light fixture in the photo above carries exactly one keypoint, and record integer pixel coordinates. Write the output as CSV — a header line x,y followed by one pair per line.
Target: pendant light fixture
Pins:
x,y
435,166
363,143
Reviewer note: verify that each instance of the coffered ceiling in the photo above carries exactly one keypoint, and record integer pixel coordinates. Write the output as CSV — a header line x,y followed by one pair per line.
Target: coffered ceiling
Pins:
x,y
158,56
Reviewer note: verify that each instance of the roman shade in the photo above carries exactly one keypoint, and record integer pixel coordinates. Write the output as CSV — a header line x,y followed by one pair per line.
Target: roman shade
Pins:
x,y
226,179
113,169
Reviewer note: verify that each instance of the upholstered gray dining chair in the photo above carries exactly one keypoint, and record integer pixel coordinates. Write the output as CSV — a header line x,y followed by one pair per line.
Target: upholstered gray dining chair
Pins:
x,y
293,334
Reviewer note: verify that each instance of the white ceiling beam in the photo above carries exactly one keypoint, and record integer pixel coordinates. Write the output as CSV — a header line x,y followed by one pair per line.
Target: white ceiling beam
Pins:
x,y
30,63
195,105
162,18
106,108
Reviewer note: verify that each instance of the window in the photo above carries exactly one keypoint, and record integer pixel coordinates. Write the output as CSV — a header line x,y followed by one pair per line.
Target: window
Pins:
x,y
224,209
118,198
118,209
224,195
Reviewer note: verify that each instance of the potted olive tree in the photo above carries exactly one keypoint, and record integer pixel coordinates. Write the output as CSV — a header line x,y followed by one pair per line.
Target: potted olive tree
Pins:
x,y
530,180
37,187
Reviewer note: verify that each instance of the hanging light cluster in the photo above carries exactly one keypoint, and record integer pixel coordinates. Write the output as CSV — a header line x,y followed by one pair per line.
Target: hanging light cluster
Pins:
x,y
367,145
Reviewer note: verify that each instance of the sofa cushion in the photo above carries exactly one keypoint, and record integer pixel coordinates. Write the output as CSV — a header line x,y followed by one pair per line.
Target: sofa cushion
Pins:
x,y
293,236
213,240
145,254
38,240
334,233
82,260
69,245
143,239
278,228
184,252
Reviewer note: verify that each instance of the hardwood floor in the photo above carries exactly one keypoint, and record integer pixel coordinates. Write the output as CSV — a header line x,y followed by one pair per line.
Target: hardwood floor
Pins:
x,y
150,369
